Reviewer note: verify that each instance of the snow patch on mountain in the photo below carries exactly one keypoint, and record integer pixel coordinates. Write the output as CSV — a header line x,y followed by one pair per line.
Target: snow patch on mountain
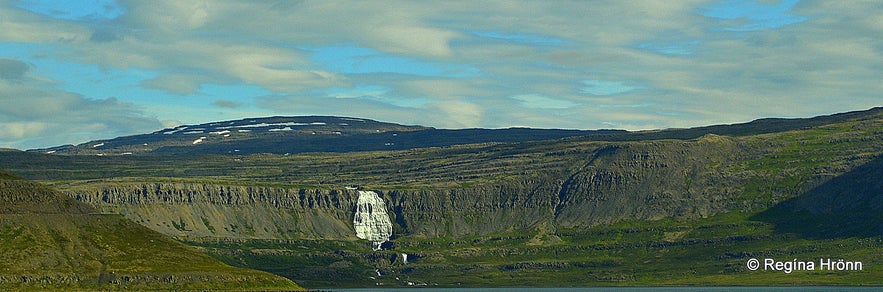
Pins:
x,y
264,125
281,129
175,130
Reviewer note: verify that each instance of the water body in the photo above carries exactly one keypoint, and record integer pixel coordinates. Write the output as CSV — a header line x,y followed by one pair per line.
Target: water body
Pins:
x,y
622,289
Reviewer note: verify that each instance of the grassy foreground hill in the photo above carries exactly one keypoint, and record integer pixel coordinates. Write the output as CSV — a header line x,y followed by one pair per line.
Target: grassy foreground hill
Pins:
x,y
673,207
50,241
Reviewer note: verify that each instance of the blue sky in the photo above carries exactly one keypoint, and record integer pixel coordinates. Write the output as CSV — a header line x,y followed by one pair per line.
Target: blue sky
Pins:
x,y
74,71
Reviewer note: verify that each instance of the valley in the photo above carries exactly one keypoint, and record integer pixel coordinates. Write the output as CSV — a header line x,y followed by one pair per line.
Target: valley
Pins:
x,y
611,208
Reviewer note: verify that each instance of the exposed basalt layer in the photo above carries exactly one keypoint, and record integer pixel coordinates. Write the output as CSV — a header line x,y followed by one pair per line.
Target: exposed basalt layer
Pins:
x,y
516,211
476,189
203,210
610,183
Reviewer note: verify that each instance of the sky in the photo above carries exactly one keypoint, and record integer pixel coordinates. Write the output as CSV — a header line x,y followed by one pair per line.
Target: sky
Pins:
x,y
76,70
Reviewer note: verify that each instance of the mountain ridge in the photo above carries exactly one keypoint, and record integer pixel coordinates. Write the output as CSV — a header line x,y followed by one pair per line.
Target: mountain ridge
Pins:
x,y
304,134
688,178
673,207
299,134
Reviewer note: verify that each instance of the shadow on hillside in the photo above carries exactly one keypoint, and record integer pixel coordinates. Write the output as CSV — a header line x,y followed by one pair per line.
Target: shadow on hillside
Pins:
x,y
846,206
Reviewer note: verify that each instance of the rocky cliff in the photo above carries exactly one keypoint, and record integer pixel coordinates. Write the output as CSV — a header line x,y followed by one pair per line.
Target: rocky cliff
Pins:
x,y
206,210
603,183
472,189
489,213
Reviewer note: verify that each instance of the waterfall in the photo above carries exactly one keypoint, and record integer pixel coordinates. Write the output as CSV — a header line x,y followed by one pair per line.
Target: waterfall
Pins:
x,y
371,221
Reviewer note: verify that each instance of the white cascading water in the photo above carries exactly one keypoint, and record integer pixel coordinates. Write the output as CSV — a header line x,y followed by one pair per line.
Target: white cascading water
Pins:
x,y
371,221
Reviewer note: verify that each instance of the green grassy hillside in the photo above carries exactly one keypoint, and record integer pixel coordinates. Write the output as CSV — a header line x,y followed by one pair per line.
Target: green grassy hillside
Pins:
x,y
676,207
50,241
706,252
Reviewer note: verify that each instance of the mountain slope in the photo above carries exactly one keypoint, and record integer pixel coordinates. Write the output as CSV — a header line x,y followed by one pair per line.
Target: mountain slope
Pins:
x,y
281,135
847,205
685,206
756,127
475,189
291,135
50,241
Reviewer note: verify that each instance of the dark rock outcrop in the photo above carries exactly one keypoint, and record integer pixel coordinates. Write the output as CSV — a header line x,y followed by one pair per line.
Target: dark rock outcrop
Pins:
x,y
608,183
480,189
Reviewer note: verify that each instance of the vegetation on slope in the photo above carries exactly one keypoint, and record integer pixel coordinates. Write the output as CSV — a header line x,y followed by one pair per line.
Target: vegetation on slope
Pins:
x,y
711,251
50,241
570,212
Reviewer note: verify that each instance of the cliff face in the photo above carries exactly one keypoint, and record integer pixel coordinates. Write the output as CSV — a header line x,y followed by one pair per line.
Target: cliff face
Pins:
x,y
609,183
203,210
651,181
478,211
477,189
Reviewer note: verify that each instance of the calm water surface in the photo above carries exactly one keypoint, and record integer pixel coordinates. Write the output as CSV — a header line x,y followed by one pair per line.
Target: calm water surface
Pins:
x,y
619,289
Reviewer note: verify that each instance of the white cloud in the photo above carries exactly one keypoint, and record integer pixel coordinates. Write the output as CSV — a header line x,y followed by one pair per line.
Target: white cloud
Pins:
x,y
19,26
12,69
226,103
35,114
604,87
375,93
571,64
527,39
409,39
182,84
11,131
456,114
542,102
